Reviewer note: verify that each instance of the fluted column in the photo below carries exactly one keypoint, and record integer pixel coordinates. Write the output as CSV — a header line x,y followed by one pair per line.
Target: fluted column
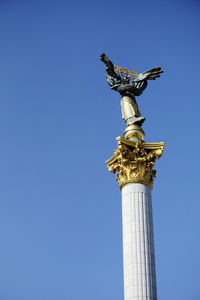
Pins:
x,y
134,162
138,243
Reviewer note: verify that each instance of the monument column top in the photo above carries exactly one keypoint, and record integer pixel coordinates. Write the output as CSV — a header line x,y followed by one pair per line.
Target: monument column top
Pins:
x,y
134,161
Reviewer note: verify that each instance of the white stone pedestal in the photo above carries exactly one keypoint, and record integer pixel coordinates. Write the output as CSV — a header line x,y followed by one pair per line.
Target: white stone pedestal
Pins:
x,y
138,243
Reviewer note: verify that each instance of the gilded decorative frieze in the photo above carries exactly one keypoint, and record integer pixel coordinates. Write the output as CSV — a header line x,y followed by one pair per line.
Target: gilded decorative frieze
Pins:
x,y
134,161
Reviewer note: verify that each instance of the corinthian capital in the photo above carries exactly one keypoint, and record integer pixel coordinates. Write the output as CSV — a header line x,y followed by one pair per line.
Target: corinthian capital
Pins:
x,y
134,161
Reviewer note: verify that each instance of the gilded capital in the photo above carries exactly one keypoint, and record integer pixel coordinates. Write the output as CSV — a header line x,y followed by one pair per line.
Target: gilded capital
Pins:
x,y
134,162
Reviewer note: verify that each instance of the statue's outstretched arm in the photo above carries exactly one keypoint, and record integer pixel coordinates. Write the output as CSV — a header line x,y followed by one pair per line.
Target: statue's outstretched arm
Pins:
x,y
150,74
109,66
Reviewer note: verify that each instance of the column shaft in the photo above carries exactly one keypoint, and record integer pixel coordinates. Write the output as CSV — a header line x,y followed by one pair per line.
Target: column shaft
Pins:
x,y
138,243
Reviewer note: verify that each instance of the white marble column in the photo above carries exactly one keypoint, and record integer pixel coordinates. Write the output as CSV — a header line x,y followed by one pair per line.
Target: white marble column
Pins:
x,y
138,243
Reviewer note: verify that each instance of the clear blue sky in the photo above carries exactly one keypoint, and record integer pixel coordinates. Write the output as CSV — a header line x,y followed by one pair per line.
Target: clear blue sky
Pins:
x,y
60,209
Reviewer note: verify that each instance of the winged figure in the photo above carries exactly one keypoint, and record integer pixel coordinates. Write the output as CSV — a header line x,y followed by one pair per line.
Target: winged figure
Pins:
x,y
129,89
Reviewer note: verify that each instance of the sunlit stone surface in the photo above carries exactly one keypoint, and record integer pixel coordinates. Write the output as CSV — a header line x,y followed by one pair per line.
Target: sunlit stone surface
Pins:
x,y
138,243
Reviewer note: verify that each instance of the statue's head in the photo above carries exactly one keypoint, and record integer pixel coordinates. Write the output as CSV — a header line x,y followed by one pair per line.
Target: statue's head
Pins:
x,y
125,74
126,79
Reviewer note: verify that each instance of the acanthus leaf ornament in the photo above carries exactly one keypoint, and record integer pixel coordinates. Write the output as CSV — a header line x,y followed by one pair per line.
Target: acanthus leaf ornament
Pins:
x,y
133,162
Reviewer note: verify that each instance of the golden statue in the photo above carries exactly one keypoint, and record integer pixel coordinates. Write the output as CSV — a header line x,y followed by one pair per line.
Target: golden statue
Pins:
x,y
128,89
